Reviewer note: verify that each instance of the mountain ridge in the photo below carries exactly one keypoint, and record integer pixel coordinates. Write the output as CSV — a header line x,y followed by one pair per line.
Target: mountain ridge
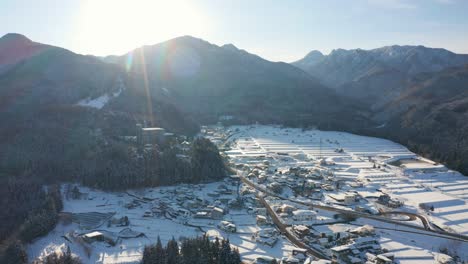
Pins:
x,y
188,81
335,69
216,80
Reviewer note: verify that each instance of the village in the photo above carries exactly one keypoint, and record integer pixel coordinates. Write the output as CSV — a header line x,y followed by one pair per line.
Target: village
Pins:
x,y
293,196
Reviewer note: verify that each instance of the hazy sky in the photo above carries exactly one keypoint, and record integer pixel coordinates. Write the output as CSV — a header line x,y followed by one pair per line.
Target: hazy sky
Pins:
x,y
277,30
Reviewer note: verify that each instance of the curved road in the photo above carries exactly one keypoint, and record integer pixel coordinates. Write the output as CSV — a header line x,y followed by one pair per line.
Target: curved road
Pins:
x,y
444,234
413,216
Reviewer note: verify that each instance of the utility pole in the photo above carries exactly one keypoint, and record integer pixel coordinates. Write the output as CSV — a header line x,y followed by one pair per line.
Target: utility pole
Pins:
x,y
320,150
238,188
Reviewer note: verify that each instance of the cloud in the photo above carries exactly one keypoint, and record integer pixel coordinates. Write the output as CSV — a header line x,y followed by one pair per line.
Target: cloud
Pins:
x,y
394,4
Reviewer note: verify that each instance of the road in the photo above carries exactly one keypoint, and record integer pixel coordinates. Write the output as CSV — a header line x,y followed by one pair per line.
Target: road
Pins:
x,y
440,233
412,216
292,238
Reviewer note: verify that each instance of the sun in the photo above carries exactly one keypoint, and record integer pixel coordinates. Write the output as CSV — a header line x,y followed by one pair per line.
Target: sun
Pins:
x,y
118,26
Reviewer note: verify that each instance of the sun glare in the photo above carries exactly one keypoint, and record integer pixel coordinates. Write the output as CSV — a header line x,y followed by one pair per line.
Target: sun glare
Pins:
x,y
120,25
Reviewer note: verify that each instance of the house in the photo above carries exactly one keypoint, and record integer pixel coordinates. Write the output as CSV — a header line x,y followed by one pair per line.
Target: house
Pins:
x,y
122,221
93,236
299,253
383,199
185,146
323,241
262,178
264,260
150,135
341,253
382,259
148,214
327,162
217,213
327,187
356,184
301,230
227,226
367,244
320,261
386,200
289,260
310,184
304,215
99,236
350,198
286,208
261,220
202,215
267,236
365,230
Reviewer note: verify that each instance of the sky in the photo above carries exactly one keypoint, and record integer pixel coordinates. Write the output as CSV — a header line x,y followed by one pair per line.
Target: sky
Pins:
x,y
278,30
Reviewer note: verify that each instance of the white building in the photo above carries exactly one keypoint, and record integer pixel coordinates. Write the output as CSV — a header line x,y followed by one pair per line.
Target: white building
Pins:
x,y
304,215
350,198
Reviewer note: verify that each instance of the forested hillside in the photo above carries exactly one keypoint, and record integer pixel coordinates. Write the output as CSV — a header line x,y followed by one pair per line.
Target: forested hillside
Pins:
x,y
68,117
207,81
430,117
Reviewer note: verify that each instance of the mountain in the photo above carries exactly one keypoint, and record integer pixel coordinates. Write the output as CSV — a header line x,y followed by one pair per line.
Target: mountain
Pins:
x,y
411,94
431,115
15,47
37,77
417,94
208,81
374,76
417,59
62,112
310,60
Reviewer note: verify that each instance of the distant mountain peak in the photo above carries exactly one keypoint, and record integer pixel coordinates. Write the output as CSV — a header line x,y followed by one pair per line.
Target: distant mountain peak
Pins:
x,y
310,59
18,38
314,54
15,47
187,39
343,66
230,46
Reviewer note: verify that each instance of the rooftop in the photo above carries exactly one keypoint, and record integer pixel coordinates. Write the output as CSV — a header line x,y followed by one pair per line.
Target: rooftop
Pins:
x,y
153,129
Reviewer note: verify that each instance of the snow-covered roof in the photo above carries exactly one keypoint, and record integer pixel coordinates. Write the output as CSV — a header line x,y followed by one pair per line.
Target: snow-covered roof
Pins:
x,y
304,212
340,248
153,129
93,234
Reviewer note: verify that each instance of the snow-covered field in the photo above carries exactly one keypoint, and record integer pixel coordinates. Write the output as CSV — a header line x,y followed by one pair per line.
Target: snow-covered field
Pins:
x,y
444,189
284,148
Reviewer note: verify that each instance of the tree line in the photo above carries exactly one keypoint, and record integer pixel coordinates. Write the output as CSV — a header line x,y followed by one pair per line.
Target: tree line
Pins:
x,y
29,211
70,147
121,167
199,250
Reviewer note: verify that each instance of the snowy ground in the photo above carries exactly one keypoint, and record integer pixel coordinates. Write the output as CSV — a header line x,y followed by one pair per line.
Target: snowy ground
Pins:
x,y
446,190
101,101
130,250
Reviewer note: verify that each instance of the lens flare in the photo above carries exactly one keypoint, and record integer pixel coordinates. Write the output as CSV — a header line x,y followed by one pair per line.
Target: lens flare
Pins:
x,y
129,62
149,103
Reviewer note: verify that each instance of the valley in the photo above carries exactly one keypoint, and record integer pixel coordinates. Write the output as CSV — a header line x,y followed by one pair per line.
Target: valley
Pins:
x,y
233,132
295,195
